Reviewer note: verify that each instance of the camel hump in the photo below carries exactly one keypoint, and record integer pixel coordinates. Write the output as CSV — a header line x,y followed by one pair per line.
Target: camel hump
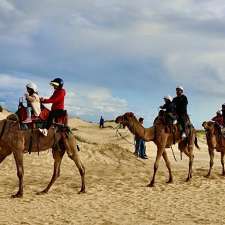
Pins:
x,y
12,117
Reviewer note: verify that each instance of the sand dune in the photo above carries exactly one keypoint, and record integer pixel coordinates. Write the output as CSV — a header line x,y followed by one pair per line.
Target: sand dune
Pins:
x,y
116,186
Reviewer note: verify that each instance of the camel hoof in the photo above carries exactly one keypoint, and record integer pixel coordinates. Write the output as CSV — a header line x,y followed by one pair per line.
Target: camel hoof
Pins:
x,y
207,176
188,179
17,195
82,192
42,192
151,185
169,182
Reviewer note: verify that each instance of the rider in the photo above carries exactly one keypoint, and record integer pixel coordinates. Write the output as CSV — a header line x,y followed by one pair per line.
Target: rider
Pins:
x,y
219,118
57,100
223,113
181,103
169,108
33,101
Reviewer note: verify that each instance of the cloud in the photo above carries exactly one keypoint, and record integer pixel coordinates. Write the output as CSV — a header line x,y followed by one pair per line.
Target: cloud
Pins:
x,y
88,101
126,49
6,6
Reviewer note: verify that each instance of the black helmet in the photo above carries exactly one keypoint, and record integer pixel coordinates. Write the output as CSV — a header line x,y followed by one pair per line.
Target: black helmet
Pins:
x,y
57,82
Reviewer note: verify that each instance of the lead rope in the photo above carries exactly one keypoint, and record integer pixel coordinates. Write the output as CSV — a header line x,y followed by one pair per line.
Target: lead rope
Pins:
x,y
173,154
117,132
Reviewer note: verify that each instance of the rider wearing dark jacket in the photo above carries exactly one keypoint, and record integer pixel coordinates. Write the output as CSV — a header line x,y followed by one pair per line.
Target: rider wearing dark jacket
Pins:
x,y
181,103
169,108
223,113
169,105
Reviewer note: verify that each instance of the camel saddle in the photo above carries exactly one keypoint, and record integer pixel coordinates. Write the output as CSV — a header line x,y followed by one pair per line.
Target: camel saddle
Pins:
x,y
170,127
40,121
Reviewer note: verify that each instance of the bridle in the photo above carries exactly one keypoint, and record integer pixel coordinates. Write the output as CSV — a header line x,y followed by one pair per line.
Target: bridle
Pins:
x,y
132,127
122,137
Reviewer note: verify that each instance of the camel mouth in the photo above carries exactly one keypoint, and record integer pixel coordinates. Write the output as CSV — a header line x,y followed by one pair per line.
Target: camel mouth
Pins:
x,y
118,119
204,125
208,125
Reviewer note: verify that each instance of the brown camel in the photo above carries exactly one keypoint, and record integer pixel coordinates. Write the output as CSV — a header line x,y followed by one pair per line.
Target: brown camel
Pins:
x,y
163,139
17,141
215,140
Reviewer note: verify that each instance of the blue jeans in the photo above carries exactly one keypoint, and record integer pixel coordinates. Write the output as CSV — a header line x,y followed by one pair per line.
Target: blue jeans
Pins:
x,y
140,147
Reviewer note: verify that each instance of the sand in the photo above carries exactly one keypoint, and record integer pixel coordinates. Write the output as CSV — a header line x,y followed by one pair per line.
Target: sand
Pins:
x,y
116,186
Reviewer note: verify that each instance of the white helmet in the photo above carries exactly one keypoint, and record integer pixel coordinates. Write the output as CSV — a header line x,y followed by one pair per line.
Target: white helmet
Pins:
x,y
219,112
168,97
180,88
32,86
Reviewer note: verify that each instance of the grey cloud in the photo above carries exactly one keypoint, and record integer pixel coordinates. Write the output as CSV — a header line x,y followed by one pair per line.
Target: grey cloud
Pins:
x,y
116,44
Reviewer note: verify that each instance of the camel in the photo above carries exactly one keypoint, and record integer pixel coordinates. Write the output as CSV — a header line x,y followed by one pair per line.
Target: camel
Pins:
x,y
214,141
163,139
17,141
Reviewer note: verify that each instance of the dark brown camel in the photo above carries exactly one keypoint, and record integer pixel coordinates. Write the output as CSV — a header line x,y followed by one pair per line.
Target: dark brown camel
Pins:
x,y
215,140
17,141
163,139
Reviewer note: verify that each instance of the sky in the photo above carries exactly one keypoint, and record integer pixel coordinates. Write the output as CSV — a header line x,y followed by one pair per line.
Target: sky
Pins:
x,y
115,56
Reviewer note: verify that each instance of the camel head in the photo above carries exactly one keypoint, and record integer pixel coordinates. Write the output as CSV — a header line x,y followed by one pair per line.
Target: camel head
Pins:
x,y
208,126
125,119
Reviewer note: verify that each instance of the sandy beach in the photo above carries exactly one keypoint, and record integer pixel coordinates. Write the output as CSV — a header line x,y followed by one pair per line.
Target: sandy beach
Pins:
x,y
116,186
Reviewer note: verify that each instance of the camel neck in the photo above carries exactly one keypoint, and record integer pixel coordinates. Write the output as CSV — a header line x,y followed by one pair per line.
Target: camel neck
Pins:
x,y
137,129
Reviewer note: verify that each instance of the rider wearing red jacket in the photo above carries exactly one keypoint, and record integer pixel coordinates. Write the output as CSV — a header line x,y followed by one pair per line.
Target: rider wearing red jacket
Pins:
x,y
219,118
57,100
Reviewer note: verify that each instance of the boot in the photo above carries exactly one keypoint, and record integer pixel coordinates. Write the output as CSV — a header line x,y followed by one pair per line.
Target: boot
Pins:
x,y
183,136
44,131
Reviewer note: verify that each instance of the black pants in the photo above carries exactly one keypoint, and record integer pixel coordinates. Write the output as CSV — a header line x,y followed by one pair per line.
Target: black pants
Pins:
x,y
182,121
53,115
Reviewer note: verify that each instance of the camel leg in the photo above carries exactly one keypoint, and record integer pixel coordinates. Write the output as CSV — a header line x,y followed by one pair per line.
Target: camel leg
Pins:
x,y
211,154
73,155
222,163
57,155
191,158
165,157
156,165
18,156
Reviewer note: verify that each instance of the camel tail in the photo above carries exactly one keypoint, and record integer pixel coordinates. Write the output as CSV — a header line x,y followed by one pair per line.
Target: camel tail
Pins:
x,y
196,143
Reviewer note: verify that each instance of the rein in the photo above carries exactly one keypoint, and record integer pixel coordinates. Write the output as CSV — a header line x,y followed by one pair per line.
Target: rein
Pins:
x,y
124,138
